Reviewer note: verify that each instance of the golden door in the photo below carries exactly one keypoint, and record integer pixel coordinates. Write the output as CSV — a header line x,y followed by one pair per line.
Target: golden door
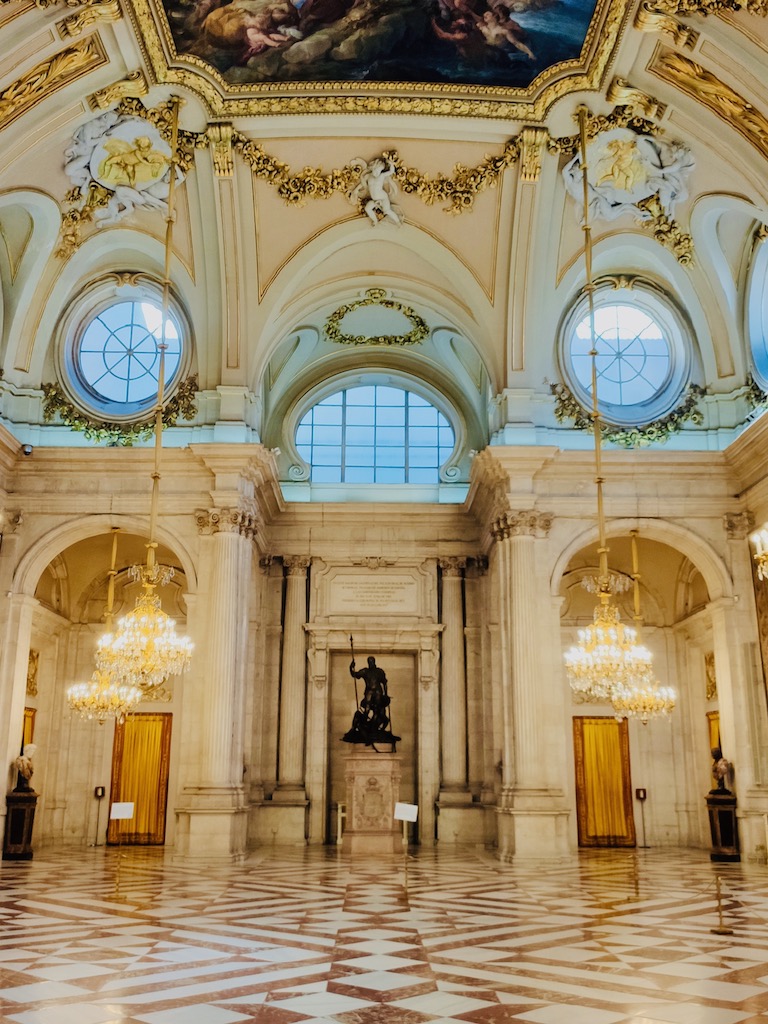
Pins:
x,y
140,759
603,784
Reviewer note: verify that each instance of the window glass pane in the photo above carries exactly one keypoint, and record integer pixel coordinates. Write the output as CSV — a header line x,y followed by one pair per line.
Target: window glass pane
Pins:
x,y
326,474
386,475
358,475
117,356
375,426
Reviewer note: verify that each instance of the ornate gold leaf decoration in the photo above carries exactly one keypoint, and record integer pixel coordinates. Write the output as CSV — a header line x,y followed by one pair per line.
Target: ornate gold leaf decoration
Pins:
x,y
134,84
376,297
568,407
651,17
49,75
458,191
664,229
667,231
78,215
100,10
225,100
685,7
55,404
531,144
720,98
220,136
622,117
622,94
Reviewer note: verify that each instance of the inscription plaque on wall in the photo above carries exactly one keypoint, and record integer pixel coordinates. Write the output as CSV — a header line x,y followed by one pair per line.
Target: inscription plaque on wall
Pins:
x,y
384,595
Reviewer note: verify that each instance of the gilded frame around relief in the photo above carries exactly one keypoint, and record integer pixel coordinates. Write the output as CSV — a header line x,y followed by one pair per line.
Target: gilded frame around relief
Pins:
x,y
587,72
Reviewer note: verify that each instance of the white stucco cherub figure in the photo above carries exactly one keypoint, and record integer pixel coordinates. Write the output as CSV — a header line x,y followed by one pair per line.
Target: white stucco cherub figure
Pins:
x,y
623,168
376,189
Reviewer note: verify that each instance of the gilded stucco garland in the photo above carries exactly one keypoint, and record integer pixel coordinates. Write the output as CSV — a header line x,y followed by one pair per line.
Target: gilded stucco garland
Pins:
x,y
568,407
56,404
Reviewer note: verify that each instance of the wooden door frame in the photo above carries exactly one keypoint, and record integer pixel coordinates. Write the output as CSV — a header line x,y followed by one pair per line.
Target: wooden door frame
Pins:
x,y
114,832
630,841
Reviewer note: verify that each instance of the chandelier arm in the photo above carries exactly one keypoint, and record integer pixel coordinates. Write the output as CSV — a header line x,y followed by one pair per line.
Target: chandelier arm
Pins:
x,y
638,615
111,583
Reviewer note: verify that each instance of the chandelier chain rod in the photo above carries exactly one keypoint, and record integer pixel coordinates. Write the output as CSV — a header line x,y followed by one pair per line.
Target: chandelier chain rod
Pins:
x,y
163,345
589,288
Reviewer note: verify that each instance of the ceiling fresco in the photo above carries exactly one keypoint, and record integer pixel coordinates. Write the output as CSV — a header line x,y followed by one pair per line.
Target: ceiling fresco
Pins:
x,y
464,52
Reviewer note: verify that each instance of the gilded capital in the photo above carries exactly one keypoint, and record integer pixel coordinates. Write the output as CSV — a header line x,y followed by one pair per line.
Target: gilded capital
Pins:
x,y
227,520
529,523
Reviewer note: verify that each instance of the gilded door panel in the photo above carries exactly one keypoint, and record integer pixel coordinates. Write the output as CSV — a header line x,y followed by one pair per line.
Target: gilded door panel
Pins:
x,y
140,760
603,783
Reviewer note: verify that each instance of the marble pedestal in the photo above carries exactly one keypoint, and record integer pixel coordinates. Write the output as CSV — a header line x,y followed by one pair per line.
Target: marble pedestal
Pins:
x,y
373,788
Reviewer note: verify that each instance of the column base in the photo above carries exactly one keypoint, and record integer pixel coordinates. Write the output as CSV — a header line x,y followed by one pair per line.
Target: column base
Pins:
x,y
282,821
458,819
211,824
532,824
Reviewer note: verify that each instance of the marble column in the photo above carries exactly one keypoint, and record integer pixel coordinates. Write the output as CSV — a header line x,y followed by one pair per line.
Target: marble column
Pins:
x,y
532,816
287,818
212,814
453,690
459,820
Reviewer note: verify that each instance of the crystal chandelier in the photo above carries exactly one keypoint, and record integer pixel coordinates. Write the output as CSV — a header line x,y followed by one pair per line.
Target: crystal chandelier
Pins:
x,y
760,540
102,696
145,649
646,702
607,659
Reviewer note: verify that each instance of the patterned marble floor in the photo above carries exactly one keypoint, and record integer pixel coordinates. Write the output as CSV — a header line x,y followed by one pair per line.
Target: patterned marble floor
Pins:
x,y
311,936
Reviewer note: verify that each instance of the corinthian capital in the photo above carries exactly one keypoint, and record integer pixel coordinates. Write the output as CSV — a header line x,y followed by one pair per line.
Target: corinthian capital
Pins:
x,y
521,524
227,520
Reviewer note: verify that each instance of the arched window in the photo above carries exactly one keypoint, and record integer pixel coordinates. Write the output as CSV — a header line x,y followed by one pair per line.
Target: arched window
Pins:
x,y
757,314
374,433
642,353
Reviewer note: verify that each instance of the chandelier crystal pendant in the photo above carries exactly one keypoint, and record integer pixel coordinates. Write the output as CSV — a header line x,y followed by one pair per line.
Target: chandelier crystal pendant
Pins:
x,y
145,649
607,661
103,697
644,703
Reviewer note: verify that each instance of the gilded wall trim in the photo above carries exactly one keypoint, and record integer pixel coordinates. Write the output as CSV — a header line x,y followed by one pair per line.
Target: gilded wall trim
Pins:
x,y
700,84
48,76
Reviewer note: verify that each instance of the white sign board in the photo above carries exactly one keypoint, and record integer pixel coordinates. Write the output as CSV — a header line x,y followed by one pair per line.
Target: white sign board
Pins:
x,y
406,812
121,812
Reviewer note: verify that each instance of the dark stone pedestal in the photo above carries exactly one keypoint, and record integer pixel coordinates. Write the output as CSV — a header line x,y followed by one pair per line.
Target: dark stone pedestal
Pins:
x,y
722,824
17,842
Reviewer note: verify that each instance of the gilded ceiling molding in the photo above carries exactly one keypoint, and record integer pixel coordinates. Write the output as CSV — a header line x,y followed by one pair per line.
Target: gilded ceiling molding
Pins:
x,y
225,100
91,14
622,94
568,407
134,84
376,297
57,405
48,76
700,84
651,17
705,7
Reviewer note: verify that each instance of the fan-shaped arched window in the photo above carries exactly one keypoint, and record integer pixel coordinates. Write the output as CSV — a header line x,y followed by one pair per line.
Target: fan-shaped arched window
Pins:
x,y
374,434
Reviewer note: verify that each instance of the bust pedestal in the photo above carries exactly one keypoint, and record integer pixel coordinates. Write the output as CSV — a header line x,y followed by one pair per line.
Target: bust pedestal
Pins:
x,y
721,805
17,842
373,789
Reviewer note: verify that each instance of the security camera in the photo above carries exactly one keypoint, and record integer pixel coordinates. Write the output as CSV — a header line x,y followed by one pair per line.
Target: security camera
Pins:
x,y
26,449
